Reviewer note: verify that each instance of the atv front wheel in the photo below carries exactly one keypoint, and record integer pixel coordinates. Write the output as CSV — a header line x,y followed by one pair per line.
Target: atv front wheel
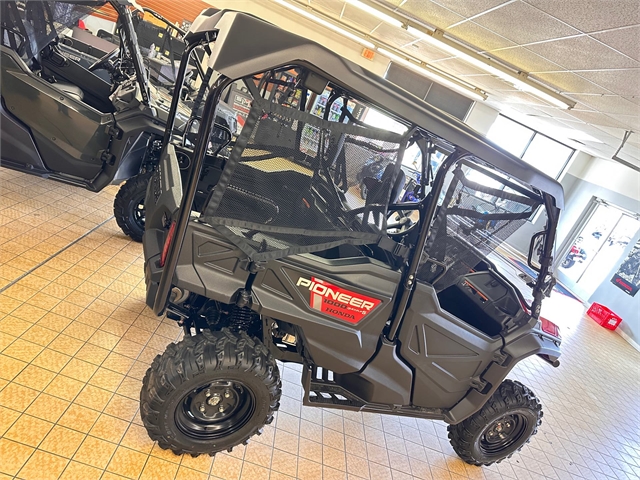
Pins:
x,y
210,392
506,422
567,263
128,207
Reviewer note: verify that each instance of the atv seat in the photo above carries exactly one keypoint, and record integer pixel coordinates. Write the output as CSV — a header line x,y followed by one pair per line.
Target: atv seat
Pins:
x,y
70,89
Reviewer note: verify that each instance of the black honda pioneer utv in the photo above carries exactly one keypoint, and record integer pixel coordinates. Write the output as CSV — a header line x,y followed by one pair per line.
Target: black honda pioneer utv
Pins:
x,y
90,125
272,254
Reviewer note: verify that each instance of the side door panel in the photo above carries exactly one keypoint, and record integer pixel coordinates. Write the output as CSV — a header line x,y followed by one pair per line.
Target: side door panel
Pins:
x,y
446,353
69,134
304,290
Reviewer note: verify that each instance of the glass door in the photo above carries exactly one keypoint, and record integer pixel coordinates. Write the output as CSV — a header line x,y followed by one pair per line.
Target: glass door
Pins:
x,y
588,242
598,247
609,254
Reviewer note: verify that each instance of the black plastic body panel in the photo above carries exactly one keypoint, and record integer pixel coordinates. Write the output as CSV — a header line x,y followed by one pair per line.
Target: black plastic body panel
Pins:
x,y
333,343
519,345
386,379
17,144
446,353
69,134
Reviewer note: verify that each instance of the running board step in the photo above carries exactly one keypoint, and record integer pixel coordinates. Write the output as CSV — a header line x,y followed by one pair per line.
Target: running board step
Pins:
x,y
320,389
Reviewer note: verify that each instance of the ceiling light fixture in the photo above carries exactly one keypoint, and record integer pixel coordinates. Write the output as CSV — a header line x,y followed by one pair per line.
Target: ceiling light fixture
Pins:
x,y
437,38
376,13
468,91
325,23
520,81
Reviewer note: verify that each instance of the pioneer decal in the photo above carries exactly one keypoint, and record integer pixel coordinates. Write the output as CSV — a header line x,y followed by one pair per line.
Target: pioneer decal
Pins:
x,y
337,302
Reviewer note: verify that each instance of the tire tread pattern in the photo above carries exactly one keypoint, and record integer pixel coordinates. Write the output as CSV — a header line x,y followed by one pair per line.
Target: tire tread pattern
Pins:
x,y
509,395
130,188
195,355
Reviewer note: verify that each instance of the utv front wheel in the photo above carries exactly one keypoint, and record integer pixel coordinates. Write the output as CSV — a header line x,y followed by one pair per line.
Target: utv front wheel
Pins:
x,y
128,207
209,393
506,422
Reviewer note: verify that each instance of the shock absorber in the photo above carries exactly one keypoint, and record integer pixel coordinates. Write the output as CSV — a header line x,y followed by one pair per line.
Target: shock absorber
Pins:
x,y
242,317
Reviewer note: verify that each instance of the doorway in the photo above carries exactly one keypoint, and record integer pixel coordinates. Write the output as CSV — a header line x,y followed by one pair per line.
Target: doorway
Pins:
x,y
598,246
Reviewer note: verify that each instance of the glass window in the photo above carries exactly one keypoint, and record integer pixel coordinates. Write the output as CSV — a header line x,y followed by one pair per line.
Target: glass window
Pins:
x,y
510,135
547,155
536,149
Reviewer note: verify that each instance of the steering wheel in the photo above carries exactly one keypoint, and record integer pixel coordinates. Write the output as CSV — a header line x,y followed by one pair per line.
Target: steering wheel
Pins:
x,y
103,60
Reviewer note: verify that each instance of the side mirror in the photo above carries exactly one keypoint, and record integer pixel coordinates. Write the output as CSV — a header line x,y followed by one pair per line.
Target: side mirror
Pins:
x,y
536,248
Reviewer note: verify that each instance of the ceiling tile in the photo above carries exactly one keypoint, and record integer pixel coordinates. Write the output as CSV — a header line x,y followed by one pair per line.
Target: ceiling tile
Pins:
x,y
592,15
397,37
525,60
555,112
630,121
622,82
359,19
330,6
457,67
609,104
424,51
523,23
518,97
467,8
569,82
487,82
430,13
616,133
582,53
625,40
479,37
596,118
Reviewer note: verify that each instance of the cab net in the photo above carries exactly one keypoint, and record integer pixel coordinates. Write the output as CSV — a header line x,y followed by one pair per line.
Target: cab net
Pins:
x,y
292,182
477,212
30,25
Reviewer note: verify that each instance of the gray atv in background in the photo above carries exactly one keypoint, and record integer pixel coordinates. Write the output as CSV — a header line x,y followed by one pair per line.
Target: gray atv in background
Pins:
x,y
82,120
272,254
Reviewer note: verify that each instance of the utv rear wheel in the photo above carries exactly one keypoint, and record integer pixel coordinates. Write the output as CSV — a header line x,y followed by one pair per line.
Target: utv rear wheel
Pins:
x,y
506,422
128,207
209,393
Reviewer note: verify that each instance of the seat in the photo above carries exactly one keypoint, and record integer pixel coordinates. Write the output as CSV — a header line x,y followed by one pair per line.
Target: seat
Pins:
x,y
70,89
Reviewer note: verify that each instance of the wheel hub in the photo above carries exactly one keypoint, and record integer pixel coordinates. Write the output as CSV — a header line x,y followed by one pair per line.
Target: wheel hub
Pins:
x,y
215,409
503,433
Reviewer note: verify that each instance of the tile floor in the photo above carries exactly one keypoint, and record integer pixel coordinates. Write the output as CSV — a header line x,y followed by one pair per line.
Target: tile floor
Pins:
x,y
76,339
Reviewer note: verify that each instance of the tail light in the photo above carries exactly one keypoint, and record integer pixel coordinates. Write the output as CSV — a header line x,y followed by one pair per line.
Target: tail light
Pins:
x,y
167,243
550,328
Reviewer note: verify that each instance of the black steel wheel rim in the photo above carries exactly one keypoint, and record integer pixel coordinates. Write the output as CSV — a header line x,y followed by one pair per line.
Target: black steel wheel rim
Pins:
x,y
504,435
137,211
215,409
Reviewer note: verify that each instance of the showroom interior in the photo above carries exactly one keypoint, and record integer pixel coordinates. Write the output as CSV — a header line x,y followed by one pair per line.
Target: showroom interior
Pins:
x,y
547,92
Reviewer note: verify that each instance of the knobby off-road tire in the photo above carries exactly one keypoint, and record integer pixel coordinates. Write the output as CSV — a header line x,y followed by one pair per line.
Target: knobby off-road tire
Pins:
x,y
186,386
128,206
506,422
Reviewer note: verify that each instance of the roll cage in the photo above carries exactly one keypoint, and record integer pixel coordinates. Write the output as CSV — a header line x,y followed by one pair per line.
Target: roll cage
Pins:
x,y
427,126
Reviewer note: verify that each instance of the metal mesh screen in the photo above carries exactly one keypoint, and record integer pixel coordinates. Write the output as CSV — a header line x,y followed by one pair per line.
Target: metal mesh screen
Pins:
x,y
291,183
45,20
475,216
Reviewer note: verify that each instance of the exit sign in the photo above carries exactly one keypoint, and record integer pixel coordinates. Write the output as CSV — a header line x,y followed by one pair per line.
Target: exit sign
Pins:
x,y
368,54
